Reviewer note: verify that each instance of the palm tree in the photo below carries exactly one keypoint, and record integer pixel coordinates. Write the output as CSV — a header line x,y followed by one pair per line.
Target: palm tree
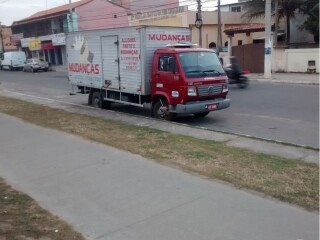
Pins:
x,y
286,9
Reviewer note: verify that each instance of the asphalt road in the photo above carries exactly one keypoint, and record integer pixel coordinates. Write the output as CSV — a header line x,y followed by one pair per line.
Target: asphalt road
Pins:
x,y
283,112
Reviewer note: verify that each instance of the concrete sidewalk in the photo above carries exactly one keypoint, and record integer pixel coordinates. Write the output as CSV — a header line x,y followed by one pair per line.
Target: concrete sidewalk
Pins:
x,y
293,78
106,193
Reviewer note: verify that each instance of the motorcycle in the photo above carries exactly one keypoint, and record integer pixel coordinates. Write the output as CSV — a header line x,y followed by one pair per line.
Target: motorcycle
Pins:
x,y
235,74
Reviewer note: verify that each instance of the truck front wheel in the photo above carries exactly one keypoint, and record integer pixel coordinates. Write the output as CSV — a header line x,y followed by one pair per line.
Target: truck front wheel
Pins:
x,y
161,110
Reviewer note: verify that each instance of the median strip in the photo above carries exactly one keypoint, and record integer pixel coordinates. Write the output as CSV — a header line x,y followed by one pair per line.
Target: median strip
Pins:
x,y
293,181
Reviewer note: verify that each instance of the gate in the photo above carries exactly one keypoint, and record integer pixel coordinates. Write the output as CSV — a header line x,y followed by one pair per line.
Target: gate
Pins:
x,y
250,57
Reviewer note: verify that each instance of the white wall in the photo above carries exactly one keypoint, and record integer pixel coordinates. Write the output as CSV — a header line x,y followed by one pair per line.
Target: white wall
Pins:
x,y
294,60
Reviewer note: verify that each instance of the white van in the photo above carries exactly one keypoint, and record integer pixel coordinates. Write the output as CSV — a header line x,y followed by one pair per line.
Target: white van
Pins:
x,y
13,60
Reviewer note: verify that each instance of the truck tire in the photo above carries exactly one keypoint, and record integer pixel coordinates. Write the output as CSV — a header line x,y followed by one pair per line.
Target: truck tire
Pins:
x,y
203,114
98,102
160,110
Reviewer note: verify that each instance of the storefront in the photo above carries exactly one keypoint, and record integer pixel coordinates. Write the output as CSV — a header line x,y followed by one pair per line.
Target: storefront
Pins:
x,y
49,48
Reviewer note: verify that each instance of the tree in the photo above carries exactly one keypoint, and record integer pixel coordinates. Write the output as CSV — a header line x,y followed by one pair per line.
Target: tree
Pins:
x,y
311,8
286,9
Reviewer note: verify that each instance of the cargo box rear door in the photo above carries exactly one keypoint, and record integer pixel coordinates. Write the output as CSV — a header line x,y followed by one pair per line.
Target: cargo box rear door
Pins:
x,y
110,61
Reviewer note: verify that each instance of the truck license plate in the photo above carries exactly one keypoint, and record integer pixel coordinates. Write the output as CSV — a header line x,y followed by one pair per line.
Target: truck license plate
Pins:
x,y
212,106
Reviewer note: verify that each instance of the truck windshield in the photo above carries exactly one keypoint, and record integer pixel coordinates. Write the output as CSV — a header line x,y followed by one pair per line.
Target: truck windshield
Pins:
x,y
200,64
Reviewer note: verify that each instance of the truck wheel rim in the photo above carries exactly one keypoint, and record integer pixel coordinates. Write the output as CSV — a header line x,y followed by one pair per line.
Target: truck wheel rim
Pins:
x,y
163,112
96,102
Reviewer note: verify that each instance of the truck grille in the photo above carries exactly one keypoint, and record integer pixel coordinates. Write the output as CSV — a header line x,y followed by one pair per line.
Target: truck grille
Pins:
x,y
206,90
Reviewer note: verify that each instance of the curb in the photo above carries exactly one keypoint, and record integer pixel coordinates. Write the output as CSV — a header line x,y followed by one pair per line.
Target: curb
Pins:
x,y
285,81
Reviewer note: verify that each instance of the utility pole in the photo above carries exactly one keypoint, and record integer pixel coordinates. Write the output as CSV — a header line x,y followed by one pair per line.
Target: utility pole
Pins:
x,y
1,38
276,17
199,22
71,16
219,39
267,44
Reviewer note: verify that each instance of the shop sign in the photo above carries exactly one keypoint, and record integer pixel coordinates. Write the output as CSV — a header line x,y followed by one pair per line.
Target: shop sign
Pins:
x,y
58,39
157,15
24,42
34,44
16,39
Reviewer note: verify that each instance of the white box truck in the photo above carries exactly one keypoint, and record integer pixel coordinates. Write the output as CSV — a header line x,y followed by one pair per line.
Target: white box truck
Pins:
x,y
139,65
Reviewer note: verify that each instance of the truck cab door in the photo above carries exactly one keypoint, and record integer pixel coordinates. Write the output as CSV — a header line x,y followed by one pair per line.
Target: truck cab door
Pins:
x,y
166,77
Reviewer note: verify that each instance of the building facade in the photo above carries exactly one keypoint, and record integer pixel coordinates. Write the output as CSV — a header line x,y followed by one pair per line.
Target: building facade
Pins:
x,y
44,32
6,43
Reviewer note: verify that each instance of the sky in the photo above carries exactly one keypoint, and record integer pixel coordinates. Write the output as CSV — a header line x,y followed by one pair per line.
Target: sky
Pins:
x,y
13,10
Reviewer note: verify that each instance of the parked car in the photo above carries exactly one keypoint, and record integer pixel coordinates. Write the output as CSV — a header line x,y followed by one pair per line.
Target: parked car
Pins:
x,y
13,60
34,65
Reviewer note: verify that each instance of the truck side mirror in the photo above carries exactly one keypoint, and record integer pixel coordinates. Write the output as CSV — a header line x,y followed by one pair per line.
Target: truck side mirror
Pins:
x,y
172,64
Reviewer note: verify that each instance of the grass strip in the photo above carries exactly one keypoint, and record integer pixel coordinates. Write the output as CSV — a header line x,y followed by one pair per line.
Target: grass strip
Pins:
x,y
22,218
293,181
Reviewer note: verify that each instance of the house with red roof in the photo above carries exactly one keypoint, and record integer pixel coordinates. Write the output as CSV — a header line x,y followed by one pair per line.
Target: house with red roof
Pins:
x,y
44,32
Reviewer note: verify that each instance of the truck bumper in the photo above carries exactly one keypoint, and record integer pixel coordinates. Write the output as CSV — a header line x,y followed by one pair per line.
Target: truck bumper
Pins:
x,y
200,106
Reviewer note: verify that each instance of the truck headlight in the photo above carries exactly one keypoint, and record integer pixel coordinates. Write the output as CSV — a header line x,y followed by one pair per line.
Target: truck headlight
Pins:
x,y
192,91
225,88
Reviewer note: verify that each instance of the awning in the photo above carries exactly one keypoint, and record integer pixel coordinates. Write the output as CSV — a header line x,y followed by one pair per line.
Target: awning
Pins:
x,y
48,45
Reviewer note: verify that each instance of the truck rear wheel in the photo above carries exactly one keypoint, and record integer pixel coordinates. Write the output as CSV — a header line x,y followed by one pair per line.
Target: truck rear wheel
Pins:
x,y
98,102
161,110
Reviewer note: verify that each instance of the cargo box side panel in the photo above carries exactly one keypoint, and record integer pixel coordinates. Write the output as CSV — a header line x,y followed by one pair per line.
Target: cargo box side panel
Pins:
x,y
84,59
160,37
130,62
110,61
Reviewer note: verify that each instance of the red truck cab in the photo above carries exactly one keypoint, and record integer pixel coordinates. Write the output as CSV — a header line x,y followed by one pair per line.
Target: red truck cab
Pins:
x,y
187,80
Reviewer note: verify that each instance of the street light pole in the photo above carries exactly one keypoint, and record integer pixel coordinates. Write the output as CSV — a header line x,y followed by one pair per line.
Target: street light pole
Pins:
x,y
219,39
71,16
276,17
199,19
267,44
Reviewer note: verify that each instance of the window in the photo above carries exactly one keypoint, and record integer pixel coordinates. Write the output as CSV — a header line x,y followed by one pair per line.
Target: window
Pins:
x,y
236,9
164,64
200,64
212,45
239,42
